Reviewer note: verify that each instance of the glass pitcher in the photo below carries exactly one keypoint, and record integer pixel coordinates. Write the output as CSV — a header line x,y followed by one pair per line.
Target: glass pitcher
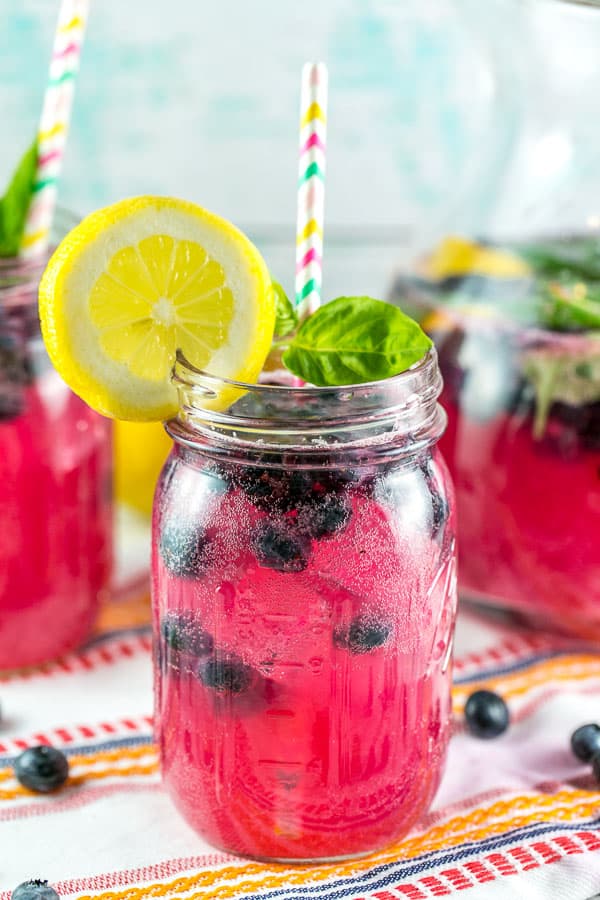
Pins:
x,y
514,308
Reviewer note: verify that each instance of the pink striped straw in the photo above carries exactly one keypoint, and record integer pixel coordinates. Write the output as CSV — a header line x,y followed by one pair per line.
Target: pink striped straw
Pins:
x,y
54,125
311,187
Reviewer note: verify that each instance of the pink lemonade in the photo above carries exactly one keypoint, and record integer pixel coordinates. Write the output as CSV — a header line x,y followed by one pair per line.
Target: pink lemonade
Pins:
x,y
304,616
527,484
55,496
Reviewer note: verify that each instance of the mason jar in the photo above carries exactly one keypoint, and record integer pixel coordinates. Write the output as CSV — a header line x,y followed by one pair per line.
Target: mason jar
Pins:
x,y
513,304
304,596
523,446
55,487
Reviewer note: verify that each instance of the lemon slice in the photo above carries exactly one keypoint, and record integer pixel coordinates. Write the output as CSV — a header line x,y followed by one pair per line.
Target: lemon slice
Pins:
x,y
135,282
456,256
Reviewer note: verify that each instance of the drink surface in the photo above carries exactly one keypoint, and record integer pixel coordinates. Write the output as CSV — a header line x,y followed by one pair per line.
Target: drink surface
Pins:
x,y
304,621
55,500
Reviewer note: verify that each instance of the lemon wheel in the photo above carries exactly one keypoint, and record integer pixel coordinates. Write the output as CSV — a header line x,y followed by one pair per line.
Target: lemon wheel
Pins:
x,y
135,282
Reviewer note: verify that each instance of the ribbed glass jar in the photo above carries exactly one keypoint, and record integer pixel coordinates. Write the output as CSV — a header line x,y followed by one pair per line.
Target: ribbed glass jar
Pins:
x,y
304,601
55,487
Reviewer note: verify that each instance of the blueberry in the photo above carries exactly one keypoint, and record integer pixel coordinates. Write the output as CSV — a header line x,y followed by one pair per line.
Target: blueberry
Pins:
x,y
286,488
311,485
440,511
585,741
42,769
596,766
334,481
580,425
182,632
363,635
324,517
12,379
275,488
12,404
340,479
34,890
225,676
590,433
258,485
184,549
486,714
278,545
13,364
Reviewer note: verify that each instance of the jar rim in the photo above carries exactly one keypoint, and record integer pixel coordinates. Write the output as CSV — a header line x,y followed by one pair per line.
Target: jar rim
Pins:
x,y
186,374
393,415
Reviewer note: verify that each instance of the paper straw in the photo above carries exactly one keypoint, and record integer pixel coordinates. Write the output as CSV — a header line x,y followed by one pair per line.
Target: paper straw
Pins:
x,y
311,187
54,124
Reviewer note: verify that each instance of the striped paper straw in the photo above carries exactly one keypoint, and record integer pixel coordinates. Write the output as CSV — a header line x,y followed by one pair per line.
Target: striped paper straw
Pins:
x,y
311,188
54,124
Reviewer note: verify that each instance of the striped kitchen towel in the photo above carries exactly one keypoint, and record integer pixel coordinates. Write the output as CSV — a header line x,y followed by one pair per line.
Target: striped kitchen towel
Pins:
x,y
517,817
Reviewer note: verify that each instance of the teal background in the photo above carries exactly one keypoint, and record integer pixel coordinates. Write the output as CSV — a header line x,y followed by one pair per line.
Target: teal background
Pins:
x,y
201,100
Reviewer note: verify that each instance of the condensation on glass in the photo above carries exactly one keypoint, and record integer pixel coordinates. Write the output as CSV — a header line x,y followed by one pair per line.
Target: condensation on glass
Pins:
x,y
304,597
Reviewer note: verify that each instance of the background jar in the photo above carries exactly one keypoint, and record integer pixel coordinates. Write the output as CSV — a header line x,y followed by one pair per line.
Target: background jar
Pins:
x,y
55,486
523,446
523,393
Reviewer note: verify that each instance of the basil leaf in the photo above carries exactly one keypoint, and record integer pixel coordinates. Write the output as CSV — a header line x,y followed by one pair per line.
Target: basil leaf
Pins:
x,y
286,317
353,340
570,306
579,258
15,203
572,378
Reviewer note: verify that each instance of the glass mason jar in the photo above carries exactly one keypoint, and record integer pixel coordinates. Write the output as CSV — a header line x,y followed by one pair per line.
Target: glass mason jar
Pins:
x,y
304,603
523,446
508,304
55,487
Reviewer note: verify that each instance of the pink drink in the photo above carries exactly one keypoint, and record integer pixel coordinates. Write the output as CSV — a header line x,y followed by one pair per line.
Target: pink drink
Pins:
x,y
304,622
55,494
527,485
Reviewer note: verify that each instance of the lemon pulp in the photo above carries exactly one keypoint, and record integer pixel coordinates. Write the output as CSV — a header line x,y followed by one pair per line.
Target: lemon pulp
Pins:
x,y
139,280
157,296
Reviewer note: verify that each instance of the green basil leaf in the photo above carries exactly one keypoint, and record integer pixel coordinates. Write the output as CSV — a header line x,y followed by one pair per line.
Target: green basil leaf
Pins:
x,y
353,340
578,258
568,305
572,378
14,204
286,317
